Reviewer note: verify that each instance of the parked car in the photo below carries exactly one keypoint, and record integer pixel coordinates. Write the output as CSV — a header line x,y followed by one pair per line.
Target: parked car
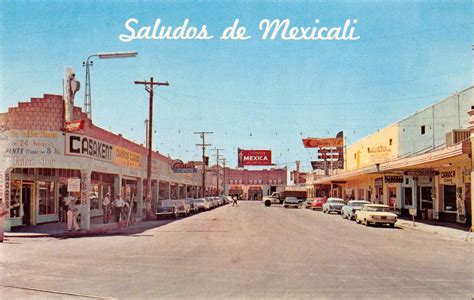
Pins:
x,y
375,214
201,203
211,203
166,208
291,202
333,205
307,202
182,207
192,206
348,211
318,203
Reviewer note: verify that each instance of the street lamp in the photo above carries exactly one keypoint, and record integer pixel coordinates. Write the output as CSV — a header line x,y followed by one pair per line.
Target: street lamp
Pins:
x,y
88,63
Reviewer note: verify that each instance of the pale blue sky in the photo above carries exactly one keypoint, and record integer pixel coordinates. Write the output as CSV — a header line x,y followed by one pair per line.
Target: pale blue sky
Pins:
x,y
251,94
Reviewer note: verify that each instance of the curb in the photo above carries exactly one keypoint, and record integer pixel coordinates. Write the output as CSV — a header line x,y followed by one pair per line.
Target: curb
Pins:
x,y
459,235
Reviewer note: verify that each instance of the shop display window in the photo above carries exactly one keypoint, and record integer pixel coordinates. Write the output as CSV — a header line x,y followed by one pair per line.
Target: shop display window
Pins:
x,y
94,197
15,199
392,196
46,198
450,198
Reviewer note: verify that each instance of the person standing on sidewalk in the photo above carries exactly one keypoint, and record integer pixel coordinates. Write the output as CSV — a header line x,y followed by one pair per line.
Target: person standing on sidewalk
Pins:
x,y
72,212
106,207
118,204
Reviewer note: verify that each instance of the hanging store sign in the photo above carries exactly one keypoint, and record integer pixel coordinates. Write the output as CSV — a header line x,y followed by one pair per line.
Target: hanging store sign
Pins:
x,y
378,181
393,179
447,177
178,166
421,172
254,157
323,142
73,185
318,165
79,145
74,125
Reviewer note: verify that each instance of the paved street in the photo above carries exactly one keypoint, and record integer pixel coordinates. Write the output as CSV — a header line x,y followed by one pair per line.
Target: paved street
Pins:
x,y
250,251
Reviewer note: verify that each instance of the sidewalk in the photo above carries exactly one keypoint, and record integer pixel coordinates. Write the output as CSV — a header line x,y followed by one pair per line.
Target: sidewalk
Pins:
x,y
59,230
450,231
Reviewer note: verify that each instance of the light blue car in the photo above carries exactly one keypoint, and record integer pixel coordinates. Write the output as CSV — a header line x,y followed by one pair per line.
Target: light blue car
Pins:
x,y
348,210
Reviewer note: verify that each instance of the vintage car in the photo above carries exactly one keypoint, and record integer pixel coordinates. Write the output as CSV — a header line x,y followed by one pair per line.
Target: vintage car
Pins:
x,y
307,202
182,207
201,204
291,202
166,208
318,203
375,214
333,205
348,211
192,205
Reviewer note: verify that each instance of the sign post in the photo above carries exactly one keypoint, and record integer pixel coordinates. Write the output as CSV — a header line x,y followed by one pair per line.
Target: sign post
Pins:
x,y
412,212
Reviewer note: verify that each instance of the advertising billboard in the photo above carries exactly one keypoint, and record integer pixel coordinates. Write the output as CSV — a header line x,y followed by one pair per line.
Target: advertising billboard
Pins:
x,y
254,157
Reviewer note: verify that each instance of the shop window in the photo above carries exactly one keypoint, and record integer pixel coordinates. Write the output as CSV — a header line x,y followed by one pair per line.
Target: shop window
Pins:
x,y
46,172
449,198
94,197
392,196
15,199
390,142
423,129
408,196
46,198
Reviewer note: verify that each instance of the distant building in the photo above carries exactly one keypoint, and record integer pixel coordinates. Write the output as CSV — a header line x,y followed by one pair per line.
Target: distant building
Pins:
x,y
254,184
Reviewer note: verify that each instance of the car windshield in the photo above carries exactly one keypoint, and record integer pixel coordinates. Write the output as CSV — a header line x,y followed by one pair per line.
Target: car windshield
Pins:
x,y
378,208
336,201
166,203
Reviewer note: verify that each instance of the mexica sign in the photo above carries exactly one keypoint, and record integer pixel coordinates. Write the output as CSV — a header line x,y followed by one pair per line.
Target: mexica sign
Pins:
x,y
178,166
254,157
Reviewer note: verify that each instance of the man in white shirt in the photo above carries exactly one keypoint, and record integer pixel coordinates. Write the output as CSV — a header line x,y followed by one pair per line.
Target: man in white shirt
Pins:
x,y
118,204
106,207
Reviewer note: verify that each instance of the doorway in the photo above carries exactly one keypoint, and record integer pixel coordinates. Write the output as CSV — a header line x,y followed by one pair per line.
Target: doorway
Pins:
x,y
27,193
425,200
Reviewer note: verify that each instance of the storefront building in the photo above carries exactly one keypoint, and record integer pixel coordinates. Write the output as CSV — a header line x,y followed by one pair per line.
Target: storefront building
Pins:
x,y
42,164
423,161
254,184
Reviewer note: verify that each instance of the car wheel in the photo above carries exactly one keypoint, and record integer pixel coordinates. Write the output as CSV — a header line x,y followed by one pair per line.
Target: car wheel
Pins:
x,y
366,223
392,225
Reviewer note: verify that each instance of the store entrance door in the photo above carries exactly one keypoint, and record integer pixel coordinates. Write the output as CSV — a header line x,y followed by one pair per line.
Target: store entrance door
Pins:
x,y
424,197
26,201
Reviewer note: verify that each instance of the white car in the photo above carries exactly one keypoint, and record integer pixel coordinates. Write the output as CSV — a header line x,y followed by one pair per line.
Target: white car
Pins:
x,y
333,205
291,202
201,203
375,214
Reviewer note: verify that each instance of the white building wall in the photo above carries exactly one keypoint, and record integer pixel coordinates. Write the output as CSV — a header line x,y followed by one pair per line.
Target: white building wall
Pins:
x,y
438,119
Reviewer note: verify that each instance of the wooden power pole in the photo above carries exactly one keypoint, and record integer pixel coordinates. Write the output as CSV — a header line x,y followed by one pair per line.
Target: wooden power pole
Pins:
x,y
149,86
218,171
203,145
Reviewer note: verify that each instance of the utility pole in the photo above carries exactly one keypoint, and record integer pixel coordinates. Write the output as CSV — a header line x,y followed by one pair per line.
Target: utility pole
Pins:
x,y
218,171
223,162
203,145
149,86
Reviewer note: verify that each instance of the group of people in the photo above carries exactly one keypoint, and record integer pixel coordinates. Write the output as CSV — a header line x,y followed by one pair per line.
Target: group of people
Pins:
x,y
118,206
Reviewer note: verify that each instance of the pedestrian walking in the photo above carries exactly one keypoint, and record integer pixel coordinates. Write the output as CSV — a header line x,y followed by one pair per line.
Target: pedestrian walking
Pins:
x,y
118,204
234,202
106,208
72,213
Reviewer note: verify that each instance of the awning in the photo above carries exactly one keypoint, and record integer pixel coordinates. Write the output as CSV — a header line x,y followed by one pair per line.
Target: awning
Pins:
x,y
432,159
